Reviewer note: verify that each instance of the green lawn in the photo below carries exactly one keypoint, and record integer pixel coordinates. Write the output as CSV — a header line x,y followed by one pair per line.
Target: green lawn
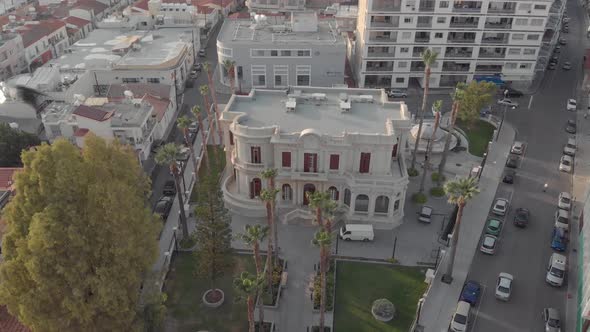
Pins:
x,y
218,166
359,284
478,135
185,291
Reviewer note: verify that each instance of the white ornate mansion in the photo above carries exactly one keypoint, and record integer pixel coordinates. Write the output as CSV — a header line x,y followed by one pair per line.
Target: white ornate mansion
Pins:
x,y
345,141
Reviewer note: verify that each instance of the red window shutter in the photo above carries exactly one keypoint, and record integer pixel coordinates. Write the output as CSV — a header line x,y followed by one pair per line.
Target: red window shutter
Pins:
x,y
337,195
334,161
286,159
365,162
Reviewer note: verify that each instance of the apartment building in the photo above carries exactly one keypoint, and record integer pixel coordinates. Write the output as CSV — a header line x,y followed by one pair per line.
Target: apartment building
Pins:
x,y
12,61
508,40
133,121
279,51
340,140
275,5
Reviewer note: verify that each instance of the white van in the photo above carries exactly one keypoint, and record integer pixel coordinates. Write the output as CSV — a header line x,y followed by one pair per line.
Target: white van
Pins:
x,y
357,232
461,317
556,270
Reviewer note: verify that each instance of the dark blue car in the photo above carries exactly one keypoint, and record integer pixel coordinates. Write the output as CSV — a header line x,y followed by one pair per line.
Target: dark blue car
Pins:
x,y
558,239
470,293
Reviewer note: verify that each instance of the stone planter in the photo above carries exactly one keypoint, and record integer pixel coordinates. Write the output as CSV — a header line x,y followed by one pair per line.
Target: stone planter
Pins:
x,y
383,310
213,304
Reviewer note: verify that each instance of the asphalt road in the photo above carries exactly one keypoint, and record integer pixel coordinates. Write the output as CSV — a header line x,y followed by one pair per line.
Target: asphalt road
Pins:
x,y
524,253
191,97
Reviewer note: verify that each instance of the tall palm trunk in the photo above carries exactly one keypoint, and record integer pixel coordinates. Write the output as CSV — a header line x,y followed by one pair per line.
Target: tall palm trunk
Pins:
x,y
455,240
269,266
421,113
450,131
210,123
323,261
183,223
250,303
318,216
429,151
274,232
232,82
203,137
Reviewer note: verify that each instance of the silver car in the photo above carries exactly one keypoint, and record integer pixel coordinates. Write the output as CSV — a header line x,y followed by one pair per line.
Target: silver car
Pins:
x,y
500,207
504,286
551,320
425,214
508,102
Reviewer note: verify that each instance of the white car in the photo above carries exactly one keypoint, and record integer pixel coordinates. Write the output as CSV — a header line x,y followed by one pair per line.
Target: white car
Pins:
x,y
460,317
570,147
504,286
488,244
566,163
562,219
193,127
572,105
517,148
564,201
508,102
500,207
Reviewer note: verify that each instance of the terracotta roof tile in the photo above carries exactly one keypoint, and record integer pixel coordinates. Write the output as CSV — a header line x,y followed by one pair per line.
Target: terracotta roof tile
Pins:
x,y
93,113
141,4
9,323
97,6
160,105
6,183
32,33
79,22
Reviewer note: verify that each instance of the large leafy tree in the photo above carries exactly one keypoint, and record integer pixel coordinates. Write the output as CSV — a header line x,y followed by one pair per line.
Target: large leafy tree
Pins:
x,y
459,192
79,238
474,97
12,142
214,252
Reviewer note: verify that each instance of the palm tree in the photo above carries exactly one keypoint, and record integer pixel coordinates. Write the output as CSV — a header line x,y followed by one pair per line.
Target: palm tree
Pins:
x,y
252,236
268,197
321,204
207,68
184,123
323,240
167,155
230,68
196,110
204,89
437,106
451,128
270,175
459,191
428,57
249,286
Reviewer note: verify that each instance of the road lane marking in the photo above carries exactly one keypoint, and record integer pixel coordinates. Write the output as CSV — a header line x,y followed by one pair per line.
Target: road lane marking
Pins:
x,y
531,101
483,293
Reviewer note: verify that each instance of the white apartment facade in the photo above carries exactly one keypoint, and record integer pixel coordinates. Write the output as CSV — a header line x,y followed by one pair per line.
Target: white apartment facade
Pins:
x,y
508,40
280,51
12,59
343,141
275,5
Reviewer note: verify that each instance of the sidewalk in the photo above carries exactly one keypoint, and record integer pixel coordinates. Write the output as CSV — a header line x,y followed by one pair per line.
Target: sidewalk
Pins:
x,y
441,299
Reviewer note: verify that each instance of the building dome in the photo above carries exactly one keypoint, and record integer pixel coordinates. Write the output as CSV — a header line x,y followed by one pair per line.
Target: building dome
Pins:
x,y
426,134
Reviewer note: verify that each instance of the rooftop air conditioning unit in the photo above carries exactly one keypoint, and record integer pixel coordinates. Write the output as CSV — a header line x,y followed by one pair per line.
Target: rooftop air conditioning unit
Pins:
x,y
291,104
318,96
344,106
366,98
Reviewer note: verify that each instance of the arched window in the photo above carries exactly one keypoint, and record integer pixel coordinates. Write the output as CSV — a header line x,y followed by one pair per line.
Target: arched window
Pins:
x,y
333,193
382,204
347,197
287,192
361,203
255,187
307,188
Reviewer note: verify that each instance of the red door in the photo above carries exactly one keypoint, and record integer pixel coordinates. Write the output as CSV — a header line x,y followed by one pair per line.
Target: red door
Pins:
x,y
255,188
308,188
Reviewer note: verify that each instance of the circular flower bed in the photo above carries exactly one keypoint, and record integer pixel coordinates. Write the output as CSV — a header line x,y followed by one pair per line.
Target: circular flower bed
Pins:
x,y
383,310
213,298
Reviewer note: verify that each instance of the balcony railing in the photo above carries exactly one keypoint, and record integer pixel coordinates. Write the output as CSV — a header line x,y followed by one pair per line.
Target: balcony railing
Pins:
x,y
498,25
455,68
494,40
461,40
385,68
383,39
386,6
377,24
466,9
502,10
380,54
416,68
492,55
463,24
424,24
422,39
458,54
494,69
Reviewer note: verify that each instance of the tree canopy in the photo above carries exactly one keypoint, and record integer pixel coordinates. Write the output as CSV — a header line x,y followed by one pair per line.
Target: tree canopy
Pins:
x,y
472,98
79,238
12,142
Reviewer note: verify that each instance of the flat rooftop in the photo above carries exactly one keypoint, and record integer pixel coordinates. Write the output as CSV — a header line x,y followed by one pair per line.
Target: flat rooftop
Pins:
x,y
278,30
114,48
320,109
125,114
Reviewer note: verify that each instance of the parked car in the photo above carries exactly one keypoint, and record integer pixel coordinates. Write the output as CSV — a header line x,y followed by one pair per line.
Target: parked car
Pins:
x,y
558,239
500,207
556,269
522,217
470,292
564,201
425,214
552,66
357,232
163,207
508,102
460,317
193,127
202,53
562,41
571,105
194,74
570,147
513,93
504,286
184,154
198,66
567,65
488,244
566,29
169,188
396,93
494,227
517,148
562,219
565,163
551,320
512,162
487,110
509,176
570,126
